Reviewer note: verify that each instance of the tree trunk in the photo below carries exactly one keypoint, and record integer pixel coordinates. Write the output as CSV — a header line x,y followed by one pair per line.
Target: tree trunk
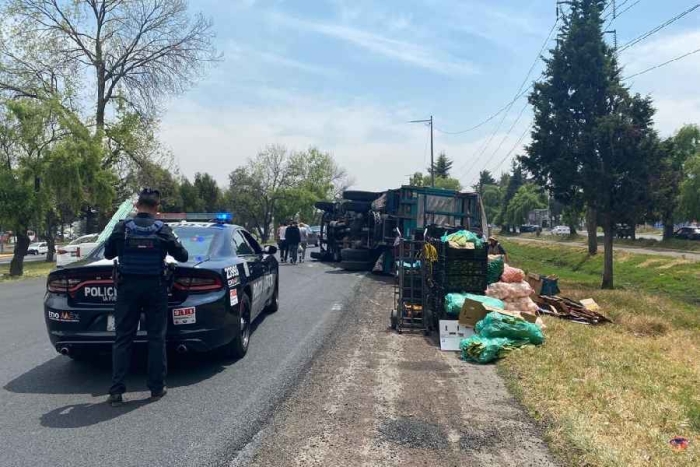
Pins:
x,y
17,263
668,229
572,228
101,90
592,228
50,238
608,238
634,231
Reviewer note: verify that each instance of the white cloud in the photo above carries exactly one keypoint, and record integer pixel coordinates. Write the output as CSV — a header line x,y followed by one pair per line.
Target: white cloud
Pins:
x,y
378,147
413,54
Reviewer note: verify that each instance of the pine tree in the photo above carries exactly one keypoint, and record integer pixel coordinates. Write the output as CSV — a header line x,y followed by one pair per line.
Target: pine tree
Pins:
x,y
442,166
591,139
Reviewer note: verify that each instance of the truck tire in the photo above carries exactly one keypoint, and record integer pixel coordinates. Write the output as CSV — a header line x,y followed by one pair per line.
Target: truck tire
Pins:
x,y
356,254
357,206
354,195
355,265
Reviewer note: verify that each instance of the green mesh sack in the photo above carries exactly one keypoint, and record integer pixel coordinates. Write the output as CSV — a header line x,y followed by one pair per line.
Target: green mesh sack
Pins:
x,y
499,325
453,303
495,269
485,350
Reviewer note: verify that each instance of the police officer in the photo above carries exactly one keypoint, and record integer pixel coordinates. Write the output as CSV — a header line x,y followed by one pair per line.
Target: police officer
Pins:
x,y
141,244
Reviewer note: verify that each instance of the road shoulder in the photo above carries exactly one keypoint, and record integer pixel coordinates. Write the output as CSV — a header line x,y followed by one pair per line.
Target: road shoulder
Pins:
x,y
375,397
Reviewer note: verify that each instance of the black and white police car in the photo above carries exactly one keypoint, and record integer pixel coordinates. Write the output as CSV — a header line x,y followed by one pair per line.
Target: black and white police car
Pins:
x,y
228,281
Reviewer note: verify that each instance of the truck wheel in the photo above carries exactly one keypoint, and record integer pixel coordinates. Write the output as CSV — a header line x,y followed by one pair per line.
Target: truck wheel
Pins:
x,y
357,206
355,254
354,195
355,265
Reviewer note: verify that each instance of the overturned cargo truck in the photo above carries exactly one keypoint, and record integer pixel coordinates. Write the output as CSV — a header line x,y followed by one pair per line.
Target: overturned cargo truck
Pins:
x,y
359,229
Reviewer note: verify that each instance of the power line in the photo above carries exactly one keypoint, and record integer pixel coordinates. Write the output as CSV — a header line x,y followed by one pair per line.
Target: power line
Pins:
x,y
661,64
479,125
520,92
619,14
512,150
658,28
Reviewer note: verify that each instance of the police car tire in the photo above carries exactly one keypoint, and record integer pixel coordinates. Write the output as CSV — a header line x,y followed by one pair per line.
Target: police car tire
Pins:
x,y
237,348
355,265
275,300
356,254
357,206
354,195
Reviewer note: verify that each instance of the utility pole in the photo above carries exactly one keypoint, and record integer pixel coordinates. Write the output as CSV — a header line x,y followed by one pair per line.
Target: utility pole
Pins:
x,y
432,160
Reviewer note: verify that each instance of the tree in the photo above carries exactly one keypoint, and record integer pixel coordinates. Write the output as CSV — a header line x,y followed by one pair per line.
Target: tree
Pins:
x,y
442,166
491,199
137,50
207,191
512,185
590,137
191,202
485,179
423,180
670,174
51,166
528,198
690,189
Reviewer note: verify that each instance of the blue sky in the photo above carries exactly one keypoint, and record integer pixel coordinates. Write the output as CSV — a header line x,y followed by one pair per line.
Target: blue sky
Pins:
x,y
347,75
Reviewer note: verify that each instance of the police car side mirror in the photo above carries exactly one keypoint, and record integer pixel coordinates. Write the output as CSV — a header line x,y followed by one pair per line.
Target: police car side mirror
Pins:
x,y
270,250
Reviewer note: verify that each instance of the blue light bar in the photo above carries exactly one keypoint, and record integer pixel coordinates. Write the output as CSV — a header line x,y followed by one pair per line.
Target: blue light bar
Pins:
x,y
224,217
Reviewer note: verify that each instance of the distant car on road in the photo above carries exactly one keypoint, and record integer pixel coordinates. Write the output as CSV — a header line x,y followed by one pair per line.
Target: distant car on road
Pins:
x,y
76,250
528,228
314,236
561,230
39,248
228,281
687,233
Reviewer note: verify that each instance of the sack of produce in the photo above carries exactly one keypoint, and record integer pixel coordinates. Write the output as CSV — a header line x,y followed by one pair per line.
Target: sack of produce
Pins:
x,y
499,325
484,350
509,291
453,303
522,304
511,274
495,269
462,238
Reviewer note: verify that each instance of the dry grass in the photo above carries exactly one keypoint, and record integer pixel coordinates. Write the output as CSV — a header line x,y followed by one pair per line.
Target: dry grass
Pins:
x,y
615,395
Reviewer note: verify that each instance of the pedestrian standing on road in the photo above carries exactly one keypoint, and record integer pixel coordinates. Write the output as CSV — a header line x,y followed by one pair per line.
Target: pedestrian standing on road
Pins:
x,y
304,232
293,236
141,245
282,242
496,248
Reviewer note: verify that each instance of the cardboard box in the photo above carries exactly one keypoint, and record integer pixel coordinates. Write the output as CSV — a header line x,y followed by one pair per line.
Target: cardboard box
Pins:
x,y
473,311
452,333
535,281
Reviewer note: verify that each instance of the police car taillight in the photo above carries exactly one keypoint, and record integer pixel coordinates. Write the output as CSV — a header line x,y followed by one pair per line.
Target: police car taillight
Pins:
x,y
61,284
198,283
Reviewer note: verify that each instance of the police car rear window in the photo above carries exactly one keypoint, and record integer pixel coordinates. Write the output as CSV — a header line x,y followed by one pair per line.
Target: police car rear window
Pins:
x,y
197,241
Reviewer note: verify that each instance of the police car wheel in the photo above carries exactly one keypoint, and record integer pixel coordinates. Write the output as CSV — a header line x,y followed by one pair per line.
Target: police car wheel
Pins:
x,y
275,300
239,345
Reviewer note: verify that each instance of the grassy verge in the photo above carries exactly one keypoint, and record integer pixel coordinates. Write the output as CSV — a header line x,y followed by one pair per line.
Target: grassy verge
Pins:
x,y
648,243
31,271
615,394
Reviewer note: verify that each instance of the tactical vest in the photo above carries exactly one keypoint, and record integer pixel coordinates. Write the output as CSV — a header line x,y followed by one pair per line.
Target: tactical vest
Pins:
x,y
143,250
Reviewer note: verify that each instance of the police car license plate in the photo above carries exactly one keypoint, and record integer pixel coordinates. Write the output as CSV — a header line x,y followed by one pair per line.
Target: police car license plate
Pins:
x,y
111,327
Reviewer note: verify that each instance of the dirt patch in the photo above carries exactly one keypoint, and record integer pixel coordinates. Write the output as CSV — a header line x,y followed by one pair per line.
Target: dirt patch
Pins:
x,y
380,398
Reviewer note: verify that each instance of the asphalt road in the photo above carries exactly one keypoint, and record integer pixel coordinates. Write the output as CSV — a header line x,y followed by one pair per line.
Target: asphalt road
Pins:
x,y
27,259
53,409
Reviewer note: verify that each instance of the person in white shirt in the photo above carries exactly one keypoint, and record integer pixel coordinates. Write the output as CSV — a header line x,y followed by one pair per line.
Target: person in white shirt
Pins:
x,y
304,231
282,242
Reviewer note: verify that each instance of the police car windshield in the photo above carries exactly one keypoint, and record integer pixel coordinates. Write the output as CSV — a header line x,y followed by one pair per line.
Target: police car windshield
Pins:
x,y
197,241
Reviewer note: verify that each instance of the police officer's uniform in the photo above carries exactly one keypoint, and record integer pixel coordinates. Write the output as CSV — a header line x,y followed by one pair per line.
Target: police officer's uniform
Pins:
x,y
141,244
